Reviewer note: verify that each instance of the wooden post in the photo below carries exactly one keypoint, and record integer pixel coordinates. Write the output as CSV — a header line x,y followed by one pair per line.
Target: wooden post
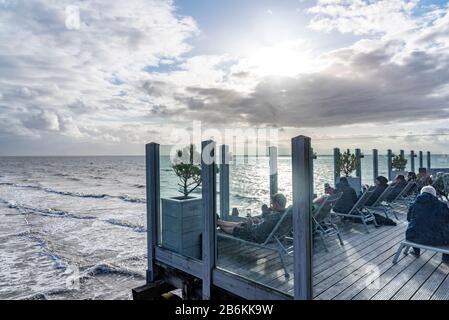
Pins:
x,y
412,161
273,153
428,162
208,180
375,164
224,183
358,169
153,199
302,183
421,160
336,166
389,166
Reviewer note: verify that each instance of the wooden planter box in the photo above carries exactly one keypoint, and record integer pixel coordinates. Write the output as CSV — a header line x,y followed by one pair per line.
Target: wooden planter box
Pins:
x,y
182,225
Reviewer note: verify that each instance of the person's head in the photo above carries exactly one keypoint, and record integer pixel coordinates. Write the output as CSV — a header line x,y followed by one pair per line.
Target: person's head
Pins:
x,y
344,181
400,178
381,180
429,189
327,185
411,176
278,201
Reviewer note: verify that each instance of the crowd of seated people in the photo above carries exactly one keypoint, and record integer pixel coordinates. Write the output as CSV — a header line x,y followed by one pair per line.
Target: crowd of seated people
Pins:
x,y
257,229
428,219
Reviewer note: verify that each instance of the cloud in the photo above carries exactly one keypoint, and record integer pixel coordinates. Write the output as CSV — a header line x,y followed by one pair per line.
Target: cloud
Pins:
x,y
363,16
123,73
373,81
63,74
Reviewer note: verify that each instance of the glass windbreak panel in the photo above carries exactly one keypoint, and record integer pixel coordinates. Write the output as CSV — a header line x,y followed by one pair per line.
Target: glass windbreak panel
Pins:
x,y
180,222
254,234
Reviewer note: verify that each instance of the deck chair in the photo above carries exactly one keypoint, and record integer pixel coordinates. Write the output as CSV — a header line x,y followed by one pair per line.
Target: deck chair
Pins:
x,y
381,205
322,223
358,211
275,240
402,196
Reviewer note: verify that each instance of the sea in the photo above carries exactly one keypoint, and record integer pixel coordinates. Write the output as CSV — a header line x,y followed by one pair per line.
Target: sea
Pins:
x,y
75,227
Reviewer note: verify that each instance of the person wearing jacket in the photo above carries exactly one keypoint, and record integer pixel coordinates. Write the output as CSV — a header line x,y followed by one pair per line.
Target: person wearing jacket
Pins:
x,y
379,188
348,197
428,220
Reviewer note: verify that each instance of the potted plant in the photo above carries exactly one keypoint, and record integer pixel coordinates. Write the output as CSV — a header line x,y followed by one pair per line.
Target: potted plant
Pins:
x,y
398,163
347,162
181,215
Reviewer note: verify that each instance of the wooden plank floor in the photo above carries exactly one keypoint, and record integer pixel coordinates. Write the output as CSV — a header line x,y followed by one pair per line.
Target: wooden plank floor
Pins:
x,y
361,269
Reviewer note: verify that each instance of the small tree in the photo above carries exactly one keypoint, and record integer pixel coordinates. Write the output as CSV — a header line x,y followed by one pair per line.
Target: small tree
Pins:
x,y
347,162
399,162
189,173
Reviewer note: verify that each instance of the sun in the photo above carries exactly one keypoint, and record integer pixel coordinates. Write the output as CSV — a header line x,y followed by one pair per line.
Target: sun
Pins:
x,y
285,59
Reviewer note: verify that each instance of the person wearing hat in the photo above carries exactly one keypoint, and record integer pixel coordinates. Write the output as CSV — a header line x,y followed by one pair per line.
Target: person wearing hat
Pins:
x,y
428,220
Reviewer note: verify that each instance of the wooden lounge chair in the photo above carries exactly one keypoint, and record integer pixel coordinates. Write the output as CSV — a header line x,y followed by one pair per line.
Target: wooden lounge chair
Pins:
x,y
322,222
380,204
358,211
408,244
275,240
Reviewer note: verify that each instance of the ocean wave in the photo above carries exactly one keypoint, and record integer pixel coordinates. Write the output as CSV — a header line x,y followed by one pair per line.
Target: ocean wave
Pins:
x,y
45,295
125,224
50,212
125,197
131,199
105,268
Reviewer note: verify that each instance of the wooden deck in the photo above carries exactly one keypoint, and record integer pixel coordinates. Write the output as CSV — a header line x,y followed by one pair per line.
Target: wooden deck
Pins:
x,y
361,269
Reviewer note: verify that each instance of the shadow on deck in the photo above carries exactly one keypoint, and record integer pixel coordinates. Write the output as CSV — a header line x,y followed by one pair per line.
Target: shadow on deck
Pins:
x,y
361,269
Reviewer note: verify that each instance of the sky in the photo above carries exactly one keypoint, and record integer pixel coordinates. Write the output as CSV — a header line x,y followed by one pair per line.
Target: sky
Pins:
x,y
105,77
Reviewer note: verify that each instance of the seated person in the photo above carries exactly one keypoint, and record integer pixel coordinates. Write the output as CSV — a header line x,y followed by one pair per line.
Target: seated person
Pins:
x,y
318,201
257,230
412,177
348,197
379,188
399,184
438,184
428,220
328,189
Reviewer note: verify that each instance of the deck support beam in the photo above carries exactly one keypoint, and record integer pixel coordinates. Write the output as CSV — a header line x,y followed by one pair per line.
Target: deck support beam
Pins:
x,y
302,182
421,160
375,164
273,154
390,155
208,178
412,161
224,182
153,199
336,166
